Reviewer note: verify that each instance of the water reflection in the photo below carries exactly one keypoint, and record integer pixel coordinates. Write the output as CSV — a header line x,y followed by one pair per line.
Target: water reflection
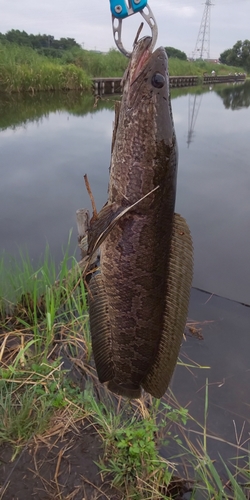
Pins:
x,y
19,110
235,97
194,104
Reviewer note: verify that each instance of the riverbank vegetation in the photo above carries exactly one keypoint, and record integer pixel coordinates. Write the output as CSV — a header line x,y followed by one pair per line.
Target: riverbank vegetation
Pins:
x,y
39,62
23,69
50,400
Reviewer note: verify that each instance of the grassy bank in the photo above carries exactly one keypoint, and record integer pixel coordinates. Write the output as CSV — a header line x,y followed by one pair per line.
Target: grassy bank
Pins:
x,y
50,399
24,69
179,68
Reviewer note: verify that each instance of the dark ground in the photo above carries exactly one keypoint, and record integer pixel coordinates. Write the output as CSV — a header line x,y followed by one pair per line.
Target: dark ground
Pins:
x,y
57,467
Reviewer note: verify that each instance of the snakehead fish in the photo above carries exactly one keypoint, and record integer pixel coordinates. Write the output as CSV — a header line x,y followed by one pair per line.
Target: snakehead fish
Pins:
x,y
138,300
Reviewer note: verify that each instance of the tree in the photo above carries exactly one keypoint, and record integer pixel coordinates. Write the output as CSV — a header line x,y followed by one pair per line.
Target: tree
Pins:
x,y
224,57
18,37
40,42
172,52
239,55
245,55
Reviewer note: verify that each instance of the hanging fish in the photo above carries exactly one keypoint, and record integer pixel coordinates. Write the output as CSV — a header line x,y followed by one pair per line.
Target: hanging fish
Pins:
x,y
138,300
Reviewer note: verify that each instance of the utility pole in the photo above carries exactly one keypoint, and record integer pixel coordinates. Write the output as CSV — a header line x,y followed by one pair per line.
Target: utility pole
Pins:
x,y
202,45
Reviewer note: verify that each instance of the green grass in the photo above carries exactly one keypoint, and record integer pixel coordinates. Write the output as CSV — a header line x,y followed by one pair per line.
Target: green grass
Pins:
x,y
43,325
189,68
40,318
96,64
132,439
28,397
23,69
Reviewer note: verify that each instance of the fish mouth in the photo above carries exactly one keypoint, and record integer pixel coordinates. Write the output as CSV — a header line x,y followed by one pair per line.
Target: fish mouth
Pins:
x,y
137,82
140,57
142,62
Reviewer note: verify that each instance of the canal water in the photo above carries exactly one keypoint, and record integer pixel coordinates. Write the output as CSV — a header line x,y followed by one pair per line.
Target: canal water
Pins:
x,y
49,141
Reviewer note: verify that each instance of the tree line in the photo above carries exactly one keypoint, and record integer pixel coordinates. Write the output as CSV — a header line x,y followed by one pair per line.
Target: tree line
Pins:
x,y
238,55
45,44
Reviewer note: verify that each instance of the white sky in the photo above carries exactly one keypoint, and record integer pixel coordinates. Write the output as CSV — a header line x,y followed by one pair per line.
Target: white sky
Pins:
x,y
89,22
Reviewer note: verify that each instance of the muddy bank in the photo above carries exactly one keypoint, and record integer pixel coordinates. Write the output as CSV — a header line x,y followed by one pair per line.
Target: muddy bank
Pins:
x,y
56,466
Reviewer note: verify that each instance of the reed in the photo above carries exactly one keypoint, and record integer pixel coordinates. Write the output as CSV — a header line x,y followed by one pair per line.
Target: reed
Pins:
x,y
22,69
97,64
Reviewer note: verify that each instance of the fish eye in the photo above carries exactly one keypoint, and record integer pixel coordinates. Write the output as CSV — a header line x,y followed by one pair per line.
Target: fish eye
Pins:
x,y
158,80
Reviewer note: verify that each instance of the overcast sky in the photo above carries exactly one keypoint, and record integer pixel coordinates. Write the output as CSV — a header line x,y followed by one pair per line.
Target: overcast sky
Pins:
x,y
89,22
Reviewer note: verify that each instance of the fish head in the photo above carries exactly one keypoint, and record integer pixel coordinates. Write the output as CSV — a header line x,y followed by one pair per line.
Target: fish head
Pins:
x,y
146,87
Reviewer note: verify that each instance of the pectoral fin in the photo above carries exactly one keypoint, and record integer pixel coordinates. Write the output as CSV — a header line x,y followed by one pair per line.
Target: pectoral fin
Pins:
x,y
99,227
179,280
106,221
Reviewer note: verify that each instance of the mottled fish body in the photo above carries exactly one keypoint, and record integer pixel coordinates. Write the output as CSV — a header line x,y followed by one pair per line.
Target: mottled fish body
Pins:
x,y
139,299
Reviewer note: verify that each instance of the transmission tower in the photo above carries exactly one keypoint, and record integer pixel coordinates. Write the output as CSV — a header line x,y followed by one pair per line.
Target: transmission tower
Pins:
x,y
202,45
194,105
